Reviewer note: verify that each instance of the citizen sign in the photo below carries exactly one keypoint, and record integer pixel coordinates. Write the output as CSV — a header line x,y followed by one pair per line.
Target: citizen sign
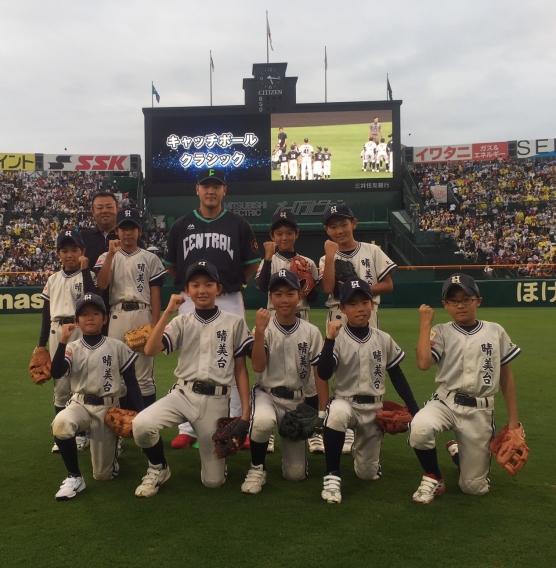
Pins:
x,y
270,92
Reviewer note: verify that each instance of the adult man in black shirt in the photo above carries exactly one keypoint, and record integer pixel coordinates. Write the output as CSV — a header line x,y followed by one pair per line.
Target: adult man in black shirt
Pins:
x,y
282,139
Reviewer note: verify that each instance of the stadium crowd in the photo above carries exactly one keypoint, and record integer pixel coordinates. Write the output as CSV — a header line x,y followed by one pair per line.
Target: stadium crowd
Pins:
x,y
34,209
504,212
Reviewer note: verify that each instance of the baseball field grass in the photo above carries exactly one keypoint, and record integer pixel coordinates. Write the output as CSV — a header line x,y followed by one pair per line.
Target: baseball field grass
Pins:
x,y
287,524
345,142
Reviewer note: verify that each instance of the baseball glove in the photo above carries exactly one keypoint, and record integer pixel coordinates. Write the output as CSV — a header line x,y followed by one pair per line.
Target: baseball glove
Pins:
x,y
120,421
299,424
229,436
510,449
343,271
300,266
393,418
39,366
136,339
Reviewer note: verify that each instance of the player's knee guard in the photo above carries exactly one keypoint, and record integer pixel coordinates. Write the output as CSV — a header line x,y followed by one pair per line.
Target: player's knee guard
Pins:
x,y
474,486
366,471
63,428
295,472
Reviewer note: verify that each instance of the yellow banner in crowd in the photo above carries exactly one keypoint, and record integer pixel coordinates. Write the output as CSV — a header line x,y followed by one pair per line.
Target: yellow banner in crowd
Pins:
x,y
14,162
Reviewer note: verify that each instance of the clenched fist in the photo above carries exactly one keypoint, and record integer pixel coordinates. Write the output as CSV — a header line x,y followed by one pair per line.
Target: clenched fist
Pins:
x,y
426,313
330,248
114,246
333,329
262,319
269,249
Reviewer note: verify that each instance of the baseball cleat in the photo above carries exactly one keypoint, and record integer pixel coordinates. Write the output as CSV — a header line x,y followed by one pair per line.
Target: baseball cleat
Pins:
x,y
378,473
452,447
270,447
331,489
316,444
429,489
82,443
70,488
256,478
55,448
348,443
182,441
156,476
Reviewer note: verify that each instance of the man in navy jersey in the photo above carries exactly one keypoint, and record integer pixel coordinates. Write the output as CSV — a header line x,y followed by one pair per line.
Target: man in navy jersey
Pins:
x,y
227,241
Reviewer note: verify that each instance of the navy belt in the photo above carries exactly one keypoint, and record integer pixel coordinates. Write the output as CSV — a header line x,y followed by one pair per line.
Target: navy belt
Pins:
x,y
365,399
465,400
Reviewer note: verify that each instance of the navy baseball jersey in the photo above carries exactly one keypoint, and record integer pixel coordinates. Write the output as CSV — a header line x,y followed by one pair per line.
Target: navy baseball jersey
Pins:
x,y
227,241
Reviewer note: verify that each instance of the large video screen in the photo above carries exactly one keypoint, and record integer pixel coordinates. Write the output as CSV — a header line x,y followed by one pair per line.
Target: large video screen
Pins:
x,y
326,147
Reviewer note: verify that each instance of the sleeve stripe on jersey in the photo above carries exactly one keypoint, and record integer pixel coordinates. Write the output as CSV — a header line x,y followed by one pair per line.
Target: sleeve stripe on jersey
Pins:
x,y
239,351
252,261
435,355
45,297
169,342
397,360
335,360
168,263
313,362
129,362
161,273
387,271
511,355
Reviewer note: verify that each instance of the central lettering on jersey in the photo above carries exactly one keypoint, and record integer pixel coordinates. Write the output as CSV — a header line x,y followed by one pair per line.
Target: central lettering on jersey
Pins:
x,y
487,366
207,241
221,350
107,374
366,263
377,372
141,276
303,348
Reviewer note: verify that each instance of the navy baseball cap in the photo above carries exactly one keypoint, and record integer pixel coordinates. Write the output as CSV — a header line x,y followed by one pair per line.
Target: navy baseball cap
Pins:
x,y
90,299
202,266
340,210
347,289
286,276
466,283
283,217
72,236
211,173
128,215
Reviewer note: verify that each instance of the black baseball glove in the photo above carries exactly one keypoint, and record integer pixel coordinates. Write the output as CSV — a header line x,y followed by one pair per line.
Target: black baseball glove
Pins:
x,y
299,424
343,271
229,436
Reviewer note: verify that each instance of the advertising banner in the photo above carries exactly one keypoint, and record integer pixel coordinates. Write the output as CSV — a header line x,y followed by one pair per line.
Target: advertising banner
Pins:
x,y
17,162
86,162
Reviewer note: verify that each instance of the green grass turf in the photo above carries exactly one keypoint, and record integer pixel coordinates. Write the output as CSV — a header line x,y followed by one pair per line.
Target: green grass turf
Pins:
x,y
345,141
287,524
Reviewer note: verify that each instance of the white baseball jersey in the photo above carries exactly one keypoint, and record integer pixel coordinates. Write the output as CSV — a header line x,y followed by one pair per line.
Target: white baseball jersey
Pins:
x,y
361,364
469,361
305,150
208,348
98,369
62,291
381,150
371,265
278,263
370,149
290,355
131,275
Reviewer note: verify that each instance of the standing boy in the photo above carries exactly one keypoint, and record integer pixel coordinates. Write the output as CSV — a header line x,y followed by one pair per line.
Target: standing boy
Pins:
x,y
135,277
359,356
472,358
95,366
212,348
60,294
326,163
285,354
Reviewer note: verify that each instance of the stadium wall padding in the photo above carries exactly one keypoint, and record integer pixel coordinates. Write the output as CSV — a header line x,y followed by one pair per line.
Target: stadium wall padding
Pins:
x,y
406,294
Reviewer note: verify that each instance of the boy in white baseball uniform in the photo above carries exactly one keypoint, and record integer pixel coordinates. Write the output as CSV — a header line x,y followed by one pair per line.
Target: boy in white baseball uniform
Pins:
x,y
472,358
60,294
306,153
381,155
370,154
212,348
285,354
135,277
95,366
326,163
359,357
369,262
277,256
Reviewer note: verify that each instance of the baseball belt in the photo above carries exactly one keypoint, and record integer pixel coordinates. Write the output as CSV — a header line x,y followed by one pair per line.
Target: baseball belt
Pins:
x,y
464,399
362,398
200,387
63,321
94,400
130,306
289,394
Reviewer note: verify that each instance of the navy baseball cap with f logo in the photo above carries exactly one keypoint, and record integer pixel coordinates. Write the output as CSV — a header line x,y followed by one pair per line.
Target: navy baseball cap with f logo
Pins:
x,y
211,173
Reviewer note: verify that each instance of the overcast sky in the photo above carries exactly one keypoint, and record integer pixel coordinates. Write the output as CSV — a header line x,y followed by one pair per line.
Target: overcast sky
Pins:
x,y
76,74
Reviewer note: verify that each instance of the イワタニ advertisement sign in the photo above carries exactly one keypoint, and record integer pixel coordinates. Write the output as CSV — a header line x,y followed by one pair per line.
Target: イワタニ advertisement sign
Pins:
x,y
460,153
